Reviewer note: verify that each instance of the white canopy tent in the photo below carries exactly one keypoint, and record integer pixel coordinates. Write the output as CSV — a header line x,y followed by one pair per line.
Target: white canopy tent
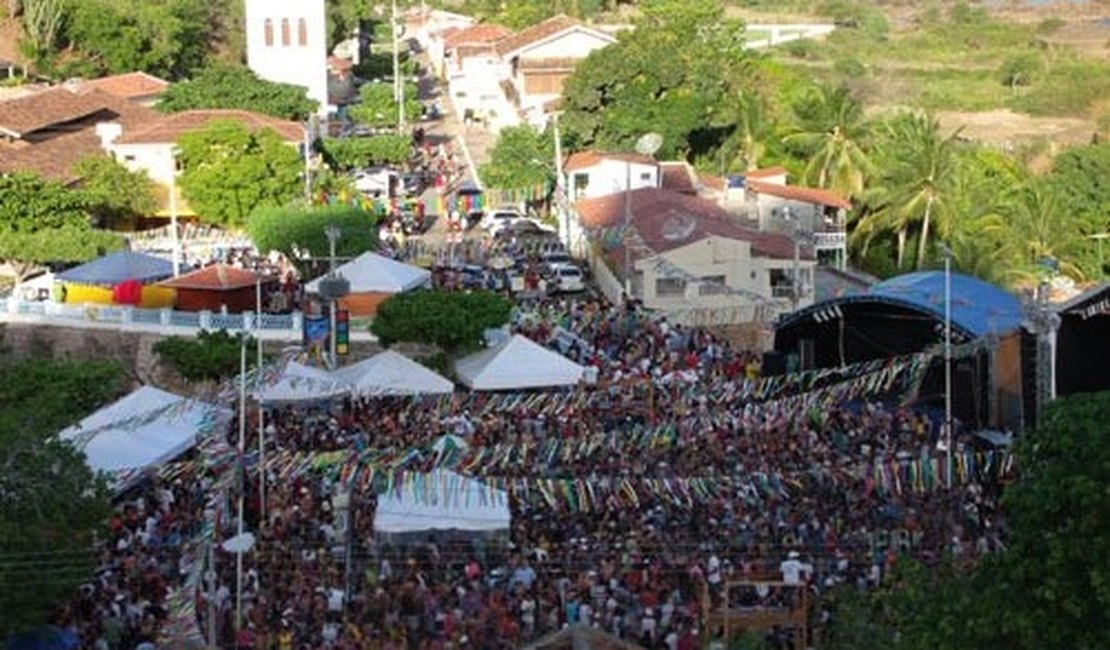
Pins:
x,y
515,364
442,501
301,383
373,273
392,373
145,429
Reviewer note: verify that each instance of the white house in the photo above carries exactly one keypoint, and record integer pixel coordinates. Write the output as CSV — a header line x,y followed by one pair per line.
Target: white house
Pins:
x,y
689,258
819,214
537,60
287,43
472,51
593,174
152,146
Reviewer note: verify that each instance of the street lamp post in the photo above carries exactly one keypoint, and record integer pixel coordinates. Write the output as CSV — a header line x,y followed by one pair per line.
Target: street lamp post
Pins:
x,y
947,363
176,252
333,233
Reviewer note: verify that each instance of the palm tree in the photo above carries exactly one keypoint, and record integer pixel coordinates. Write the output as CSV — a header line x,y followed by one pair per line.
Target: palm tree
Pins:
x,y
748,141
1042,228
830,129
918,177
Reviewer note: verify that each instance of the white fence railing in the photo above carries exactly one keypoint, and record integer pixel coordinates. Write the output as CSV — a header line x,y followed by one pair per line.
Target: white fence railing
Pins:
x,y
283,327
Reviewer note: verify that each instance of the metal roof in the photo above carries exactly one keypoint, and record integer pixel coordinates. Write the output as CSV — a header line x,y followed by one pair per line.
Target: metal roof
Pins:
x,y
978,308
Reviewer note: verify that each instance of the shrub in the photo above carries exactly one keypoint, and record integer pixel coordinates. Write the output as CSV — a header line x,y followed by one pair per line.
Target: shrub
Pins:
x,y
210,356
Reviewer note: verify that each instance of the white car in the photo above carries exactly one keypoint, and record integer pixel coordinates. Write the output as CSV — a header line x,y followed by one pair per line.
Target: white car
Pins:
x,y
377,180
494,221
567,278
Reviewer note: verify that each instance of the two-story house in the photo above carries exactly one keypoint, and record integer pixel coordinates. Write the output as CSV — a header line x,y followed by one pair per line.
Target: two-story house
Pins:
x,y
688,257
537,60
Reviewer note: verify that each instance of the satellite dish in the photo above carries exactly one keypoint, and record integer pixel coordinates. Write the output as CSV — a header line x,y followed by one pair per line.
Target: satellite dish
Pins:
x,y
649,143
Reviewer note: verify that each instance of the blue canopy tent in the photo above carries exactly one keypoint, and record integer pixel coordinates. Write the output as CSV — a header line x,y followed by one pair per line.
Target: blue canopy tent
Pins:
x,y
118,267
905,315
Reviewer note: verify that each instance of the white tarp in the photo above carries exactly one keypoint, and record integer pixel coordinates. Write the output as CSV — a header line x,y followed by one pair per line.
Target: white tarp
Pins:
x,y
146,428
442,500
392,373
373,273
301,383
515,364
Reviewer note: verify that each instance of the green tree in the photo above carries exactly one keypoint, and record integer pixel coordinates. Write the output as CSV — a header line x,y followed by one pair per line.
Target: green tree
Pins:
x,y
42,22
343,18
522,157
43,221
1042,227
627,89
377,106
236,87
50,501
1020,69
753,129
916,182
164,37
287,229
830,130
211,356
114,194
230,171
1047,589
455,321
345,154
1083,175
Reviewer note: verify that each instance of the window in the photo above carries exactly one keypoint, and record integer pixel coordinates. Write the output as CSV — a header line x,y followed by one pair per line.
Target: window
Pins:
x,y
129,159
581,182
285,32
670,287
712,285
268,29
302,32
645,177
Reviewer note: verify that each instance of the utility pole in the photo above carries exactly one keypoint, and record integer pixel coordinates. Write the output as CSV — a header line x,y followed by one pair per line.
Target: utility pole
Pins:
x,y
947,364
308,139
333,233
258,387
176,253
560,186
242,449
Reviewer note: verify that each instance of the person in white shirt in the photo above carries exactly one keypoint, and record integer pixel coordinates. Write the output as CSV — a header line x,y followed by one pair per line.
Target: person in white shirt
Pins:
x,y
793,569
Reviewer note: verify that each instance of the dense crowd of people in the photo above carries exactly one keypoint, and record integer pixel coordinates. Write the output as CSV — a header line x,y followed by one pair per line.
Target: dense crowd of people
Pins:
x,y
320,577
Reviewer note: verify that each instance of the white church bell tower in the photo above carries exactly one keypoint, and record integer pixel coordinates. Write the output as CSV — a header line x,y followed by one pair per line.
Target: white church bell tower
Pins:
x,y
287,43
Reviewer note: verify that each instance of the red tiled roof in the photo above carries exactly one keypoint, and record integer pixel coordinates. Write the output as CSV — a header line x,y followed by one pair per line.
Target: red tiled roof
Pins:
x,y
218,277
132,85
171,127
56,105
587,159
475,34
802,194
676,177
54,158
667,220
712,182
765,173
540,32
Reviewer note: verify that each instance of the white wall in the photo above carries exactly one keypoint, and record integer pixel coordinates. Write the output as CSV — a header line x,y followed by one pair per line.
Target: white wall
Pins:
x,y
610,177
576,44
301,65
155,159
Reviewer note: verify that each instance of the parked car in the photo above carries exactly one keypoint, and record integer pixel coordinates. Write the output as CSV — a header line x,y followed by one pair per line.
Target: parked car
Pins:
x,y
496,220
523,228
377,180
566,278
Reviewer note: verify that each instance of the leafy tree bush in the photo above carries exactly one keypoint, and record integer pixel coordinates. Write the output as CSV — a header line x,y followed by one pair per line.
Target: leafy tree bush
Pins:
x,y
210,356
1020,69
113,193
454,321
377,107
237,87
522,157
353,153
287,228
50,501
230,171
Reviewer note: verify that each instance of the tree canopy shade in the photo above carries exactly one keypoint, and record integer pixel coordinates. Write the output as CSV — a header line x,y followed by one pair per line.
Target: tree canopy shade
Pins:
x,y
50,502
630,88
291,228
230,171
168,38
113,193
237,87
345,154
522,157
43,221
455,321
377,107
1048,588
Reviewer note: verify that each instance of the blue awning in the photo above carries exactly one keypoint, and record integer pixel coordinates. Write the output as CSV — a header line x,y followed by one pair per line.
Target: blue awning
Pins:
x,y
118,267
